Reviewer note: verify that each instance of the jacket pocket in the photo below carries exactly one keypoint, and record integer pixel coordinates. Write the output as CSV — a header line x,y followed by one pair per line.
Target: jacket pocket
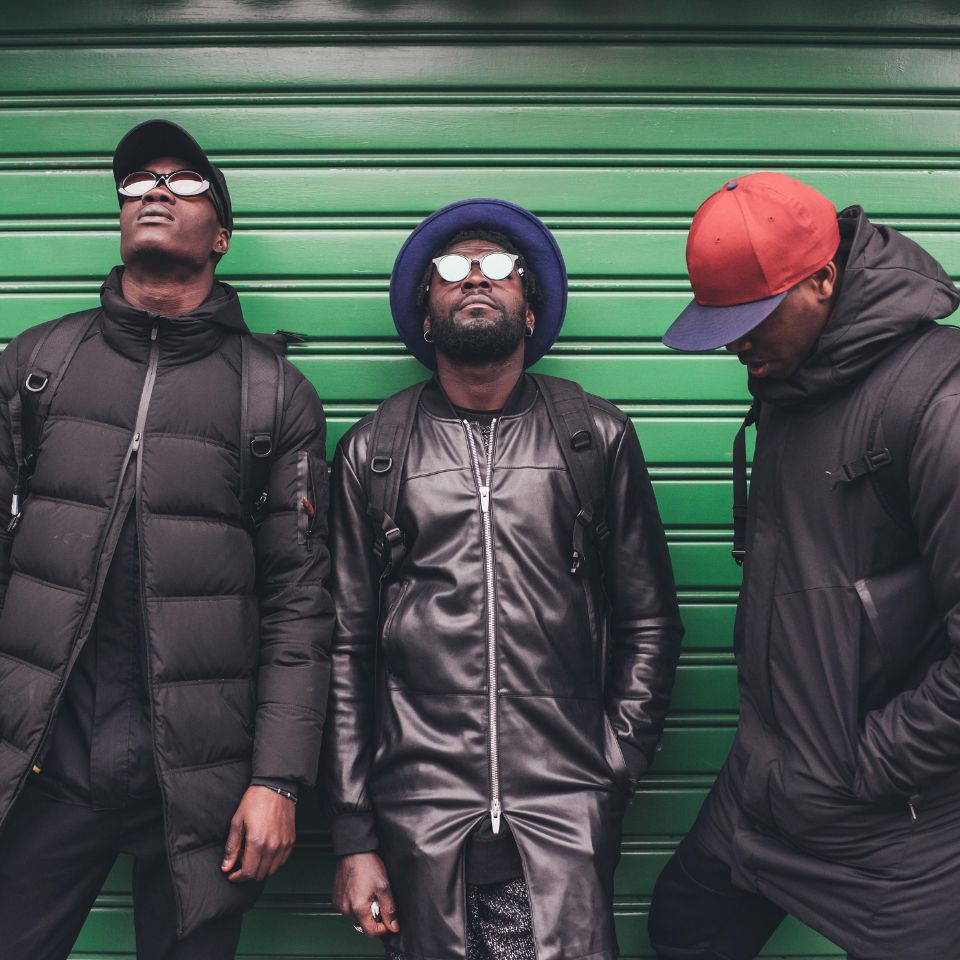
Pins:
x,y
309,503
902,634
391,615
614,757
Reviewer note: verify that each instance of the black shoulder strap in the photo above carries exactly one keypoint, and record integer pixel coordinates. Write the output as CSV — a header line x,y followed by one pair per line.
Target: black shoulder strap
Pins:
x,y
916,374
30,405
574,427
389,439
739,551
261,408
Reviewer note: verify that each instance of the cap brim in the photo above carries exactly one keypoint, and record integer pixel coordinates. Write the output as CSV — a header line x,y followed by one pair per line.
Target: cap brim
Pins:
x,y
701,328
530,235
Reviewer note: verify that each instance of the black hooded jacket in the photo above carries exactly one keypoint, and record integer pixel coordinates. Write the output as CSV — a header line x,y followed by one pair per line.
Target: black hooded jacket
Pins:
x,y
844,779
236,621
413,746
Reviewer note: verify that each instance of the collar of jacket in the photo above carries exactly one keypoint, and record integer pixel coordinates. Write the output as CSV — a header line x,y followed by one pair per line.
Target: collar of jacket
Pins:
x,y
890,286
435,401
182,339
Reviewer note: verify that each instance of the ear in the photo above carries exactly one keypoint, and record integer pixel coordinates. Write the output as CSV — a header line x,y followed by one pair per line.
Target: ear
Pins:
x,y
426,323
530,319
825,281
221,243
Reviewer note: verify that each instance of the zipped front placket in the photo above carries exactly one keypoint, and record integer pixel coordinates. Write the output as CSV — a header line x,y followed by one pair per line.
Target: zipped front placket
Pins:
x,y
132,449
483,490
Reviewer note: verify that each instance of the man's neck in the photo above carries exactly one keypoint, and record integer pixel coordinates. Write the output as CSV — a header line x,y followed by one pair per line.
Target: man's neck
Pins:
x,y
479,386
167,294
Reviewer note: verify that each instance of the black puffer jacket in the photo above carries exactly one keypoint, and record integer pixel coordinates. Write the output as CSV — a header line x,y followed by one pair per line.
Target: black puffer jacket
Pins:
x,y
409,754
237,625
842,791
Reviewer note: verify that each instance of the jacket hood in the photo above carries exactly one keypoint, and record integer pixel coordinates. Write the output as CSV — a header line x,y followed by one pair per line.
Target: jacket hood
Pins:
x,y
890,287
183,337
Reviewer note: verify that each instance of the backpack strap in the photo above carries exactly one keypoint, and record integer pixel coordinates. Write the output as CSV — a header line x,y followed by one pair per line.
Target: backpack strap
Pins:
x,y
30,405
740,495
261,409
389,439
915,376
574,427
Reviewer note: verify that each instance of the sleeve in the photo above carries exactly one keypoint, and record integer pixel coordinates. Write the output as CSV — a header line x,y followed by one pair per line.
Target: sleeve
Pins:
x,y
296,613
645,627
8,465
348,746
915,738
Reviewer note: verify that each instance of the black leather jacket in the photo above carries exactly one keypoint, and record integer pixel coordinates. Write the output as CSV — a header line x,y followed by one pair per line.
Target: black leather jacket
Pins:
x,y
582,666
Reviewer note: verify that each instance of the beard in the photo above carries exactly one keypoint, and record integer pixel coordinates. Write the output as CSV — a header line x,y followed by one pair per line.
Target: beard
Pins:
x,y
481,338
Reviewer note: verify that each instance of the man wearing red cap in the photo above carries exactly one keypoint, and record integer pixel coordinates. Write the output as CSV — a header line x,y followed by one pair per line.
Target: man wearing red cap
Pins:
x,y
838,802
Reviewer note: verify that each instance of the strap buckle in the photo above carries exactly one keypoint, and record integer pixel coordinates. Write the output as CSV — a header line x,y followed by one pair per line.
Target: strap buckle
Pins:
x,y
870,462
385,543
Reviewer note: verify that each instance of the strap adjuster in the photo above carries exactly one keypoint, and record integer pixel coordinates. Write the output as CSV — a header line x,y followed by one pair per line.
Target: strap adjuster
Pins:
x,y
385,543
381,465
738,554
870,462
36,382
581,440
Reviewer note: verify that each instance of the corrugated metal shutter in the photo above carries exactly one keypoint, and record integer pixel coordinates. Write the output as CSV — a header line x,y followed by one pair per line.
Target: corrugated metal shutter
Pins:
x,y
341,124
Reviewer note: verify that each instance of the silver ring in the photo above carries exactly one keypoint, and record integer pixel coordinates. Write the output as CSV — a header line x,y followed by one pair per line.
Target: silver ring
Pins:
x,y
358,928
375,911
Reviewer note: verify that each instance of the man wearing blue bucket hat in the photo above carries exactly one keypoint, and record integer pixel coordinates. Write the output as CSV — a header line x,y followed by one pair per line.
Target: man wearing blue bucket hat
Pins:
x,y
507,627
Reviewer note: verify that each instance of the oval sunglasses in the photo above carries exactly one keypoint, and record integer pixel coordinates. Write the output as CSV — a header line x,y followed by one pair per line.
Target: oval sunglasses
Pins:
x,y
454,267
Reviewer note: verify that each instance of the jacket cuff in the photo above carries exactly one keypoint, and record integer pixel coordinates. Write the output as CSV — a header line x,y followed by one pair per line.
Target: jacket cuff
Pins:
x,y
353,833
289,786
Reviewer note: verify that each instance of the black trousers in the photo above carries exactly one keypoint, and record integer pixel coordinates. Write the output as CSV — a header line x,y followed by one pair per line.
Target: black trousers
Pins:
x,y
54,857
698,914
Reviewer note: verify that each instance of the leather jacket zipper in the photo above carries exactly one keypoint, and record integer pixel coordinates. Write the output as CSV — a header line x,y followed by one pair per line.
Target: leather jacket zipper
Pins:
x,y
483,490
132,449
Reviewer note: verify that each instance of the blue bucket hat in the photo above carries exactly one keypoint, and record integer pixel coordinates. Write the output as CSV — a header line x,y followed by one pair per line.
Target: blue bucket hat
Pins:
x,y
535,242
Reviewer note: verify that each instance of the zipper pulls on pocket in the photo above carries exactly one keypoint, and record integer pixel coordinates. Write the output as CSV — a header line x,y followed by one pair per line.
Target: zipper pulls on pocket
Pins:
x,y
912,809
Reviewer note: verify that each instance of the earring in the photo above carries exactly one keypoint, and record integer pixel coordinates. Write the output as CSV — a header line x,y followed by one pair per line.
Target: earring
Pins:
x,y
426,337
529,332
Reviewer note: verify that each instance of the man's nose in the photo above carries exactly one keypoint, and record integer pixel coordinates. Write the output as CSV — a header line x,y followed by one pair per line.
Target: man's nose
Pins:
x,y
739,345
159,192
475,277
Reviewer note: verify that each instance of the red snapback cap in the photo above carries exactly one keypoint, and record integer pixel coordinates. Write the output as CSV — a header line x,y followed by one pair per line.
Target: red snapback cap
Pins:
x,y
749,243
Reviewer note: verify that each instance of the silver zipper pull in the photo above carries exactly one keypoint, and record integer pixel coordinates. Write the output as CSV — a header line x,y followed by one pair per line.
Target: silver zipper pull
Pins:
x,y
913,811
495,811
485,499
154,331
135,442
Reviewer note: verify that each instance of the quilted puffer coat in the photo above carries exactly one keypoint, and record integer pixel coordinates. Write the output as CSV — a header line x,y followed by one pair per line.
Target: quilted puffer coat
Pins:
x,y
237,622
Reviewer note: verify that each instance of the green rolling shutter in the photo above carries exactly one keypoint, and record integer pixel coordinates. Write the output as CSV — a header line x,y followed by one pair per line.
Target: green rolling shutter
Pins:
x,y
341,124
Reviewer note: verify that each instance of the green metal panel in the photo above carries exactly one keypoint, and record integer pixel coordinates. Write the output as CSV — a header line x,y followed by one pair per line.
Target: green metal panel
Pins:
x,y
341,124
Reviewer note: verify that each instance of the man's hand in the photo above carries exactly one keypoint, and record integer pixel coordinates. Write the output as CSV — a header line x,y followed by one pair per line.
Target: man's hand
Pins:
x,y
360,881
262,833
